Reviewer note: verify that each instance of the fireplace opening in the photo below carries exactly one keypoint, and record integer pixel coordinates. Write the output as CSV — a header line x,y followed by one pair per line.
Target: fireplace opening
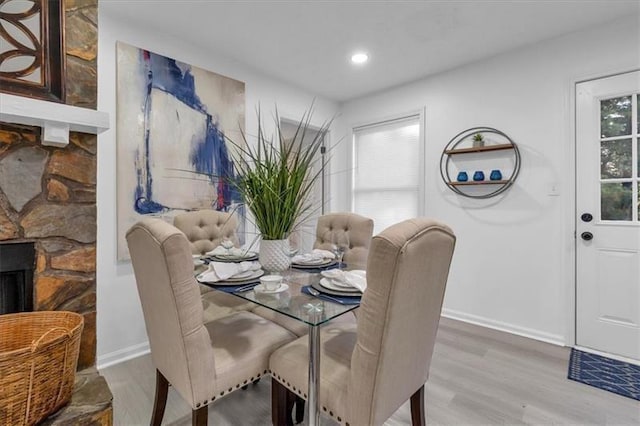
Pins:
x,y
17,262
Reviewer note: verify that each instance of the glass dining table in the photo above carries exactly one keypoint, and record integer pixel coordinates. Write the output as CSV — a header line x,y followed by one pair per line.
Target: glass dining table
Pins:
x,y
313,311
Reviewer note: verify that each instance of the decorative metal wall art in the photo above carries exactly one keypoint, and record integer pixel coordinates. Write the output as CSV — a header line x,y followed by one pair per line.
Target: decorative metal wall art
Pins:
x,y
32,48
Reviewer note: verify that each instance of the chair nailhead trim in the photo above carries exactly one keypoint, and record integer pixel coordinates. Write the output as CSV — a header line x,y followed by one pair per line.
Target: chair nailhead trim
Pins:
x,y
245,382
230,389
237,386
324,408
198,405
213,398
331,413
339,419
221,393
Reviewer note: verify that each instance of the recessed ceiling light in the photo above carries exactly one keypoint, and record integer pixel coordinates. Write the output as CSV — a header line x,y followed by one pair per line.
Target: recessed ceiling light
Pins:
x,y
359,58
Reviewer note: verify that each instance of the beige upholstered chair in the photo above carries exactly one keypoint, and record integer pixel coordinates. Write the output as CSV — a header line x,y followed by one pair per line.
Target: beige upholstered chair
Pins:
x,y
358,228
203,361
205,229
368,370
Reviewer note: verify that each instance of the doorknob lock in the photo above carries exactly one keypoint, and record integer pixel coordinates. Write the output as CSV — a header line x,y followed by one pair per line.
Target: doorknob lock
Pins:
x,y
586,217
587,236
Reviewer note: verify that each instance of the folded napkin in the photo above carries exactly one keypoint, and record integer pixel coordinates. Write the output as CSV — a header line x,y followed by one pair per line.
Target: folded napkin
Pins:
x,y
316,255
355,278
221,251
220,271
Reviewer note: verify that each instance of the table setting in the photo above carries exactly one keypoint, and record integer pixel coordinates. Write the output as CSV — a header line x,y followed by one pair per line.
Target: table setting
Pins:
x,y
339,286
316,261
232,277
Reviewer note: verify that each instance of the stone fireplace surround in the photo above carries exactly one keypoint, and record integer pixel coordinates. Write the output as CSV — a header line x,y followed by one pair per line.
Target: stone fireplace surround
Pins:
x,y
48,197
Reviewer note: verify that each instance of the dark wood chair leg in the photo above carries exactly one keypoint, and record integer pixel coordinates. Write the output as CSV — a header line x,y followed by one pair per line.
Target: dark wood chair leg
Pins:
x,y
162,389
299,415
199,416
418,414
281,404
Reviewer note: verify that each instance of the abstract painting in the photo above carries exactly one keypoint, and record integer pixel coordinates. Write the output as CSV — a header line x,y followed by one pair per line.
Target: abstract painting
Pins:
x,y
172,123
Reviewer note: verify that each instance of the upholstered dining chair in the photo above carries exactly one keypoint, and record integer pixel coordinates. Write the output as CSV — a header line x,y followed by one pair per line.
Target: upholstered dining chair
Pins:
x,y
203,361
358,228
205,230
369,369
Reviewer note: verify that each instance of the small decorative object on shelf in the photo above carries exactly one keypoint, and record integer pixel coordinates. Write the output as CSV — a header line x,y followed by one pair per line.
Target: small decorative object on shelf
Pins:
x,y
476,143
478,140
478,176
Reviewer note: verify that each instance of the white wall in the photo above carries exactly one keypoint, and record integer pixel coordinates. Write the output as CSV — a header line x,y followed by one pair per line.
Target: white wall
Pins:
x,y
514,258
121,332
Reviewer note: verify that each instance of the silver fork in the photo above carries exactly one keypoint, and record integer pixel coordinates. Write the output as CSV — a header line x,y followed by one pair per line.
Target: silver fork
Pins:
x,y
316,293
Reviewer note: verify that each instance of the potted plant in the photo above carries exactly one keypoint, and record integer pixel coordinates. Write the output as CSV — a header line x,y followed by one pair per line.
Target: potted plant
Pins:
x,y
275,177
478,140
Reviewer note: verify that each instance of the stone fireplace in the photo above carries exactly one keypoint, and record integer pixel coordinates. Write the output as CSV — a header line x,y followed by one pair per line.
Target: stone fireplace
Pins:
x,y
48,194
48,204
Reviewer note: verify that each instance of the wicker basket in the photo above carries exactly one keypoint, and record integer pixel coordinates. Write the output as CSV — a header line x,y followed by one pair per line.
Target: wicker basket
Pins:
x,y
38,358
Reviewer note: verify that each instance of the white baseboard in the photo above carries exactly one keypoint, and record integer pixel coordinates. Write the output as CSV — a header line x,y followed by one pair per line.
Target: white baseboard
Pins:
x,y
121,355
608,355
554,339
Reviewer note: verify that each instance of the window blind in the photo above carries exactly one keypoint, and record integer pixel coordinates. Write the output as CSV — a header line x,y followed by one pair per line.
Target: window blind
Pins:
x,y
387,171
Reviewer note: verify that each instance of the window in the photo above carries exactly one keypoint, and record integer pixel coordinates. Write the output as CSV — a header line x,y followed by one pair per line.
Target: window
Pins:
x,y
388,171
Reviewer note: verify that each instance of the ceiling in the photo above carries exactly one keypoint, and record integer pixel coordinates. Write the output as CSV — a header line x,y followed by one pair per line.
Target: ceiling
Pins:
x,y
309,43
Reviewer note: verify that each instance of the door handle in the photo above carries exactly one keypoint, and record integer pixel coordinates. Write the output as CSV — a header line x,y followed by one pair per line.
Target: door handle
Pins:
x,y
587,236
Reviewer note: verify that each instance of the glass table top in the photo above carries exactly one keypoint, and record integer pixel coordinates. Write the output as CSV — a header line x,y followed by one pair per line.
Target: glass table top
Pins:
x,y
294,303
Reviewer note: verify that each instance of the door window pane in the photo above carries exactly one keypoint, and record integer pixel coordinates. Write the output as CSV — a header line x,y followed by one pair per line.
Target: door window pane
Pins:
x,y
615,117
615,201
615,159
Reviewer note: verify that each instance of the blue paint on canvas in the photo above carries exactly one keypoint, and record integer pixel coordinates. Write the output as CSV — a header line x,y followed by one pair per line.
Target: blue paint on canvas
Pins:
x,y
209,155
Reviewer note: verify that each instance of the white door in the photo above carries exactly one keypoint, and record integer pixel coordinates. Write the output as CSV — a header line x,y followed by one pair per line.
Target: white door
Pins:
x,y
306,233
607,222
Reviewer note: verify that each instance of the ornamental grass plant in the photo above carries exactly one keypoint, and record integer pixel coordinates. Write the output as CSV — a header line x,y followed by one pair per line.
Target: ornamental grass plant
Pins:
x,y
275,175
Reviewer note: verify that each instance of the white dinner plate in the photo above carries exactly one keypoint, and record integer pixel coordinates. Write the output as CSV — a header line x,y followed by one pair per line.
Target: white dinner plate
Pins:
x,y
337,286
244,275
250,255
319,264
253,277
260,288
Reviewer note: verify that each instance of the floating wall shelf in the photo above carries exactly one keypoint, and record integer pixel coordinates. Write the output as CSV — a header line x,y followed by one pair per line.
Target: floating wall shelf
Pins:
x,y
55,119
452,149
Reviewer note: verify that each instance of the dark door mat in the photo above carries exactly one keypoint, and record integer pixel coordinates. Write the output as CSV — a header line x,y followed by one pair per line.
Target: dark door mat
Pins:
x,y
605,373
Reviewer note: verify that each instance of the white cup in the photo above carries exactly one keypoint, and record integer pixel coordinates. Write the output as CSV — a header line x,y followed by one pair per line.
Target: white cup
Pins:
x,y
271,282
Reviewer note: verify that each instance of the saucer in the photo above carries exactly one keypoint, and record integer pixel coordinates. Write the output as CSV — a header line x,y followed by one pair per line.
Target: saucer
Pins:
x,y
260,289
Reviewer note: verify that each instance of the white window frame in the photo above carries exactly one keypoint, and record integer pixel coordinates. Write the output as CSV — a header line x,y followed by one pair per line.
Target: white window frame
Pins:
x,y
417,113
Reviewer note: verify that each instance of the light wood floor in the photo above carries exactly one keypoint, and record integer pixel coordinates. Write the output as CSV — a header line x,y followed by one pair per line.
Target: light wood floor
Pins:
x,y
478,377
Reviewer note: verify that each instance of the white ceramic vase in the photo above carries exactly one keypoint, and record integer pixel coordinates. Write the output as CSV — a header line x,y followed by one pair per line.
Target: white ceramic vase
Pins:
x,y
273,255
